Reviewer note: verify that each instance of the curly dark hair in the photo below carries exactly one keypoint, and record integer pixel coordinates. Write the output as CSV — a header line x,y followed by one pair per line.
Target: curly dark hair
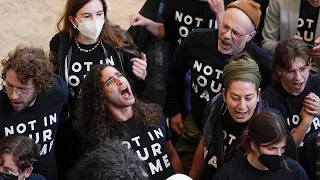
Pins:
x,y
30,63
25,151
109,161
95,119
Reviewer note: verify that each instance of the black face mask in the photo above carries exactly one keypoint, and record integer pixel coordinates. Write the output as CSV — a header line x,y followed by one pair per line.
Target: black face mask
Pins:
x,y
272,162
7,176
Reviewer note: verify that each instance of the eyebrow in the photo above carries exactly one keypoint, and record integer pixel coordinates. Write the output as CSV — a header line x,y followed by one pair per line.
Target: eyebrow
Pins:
x,y
8,168
116,73
90,13
239,95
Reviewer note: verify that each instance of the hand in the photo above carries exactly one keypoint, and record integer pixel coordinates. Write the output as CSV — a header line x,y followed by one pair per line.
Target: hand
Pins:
x,y
138,20
315,51
176,123
217,7
296,37
306,118
311,104
139,66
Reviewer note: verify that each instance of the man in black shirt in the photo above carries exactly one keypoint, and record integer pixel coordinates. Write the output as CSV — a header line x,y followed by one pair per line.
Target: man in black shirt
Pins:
x,y
30,102
205,52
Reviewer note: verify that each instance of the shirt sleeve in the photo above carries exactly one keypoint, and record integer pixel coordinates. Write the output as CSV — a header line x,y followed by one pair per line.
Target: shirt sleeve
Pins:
x,y
178,68
270,32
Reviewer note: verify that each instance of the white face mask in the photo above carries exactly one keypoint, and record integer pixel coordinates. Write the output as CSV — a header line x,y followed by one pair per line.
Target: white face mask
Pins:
x,y
91,29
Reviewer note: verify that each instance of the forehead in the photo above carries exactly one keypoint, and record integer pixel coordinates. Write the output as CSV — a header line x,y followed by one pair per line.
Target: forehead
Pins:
x,y
92,6
297,63
242,87
12,78
108,72
8,161
280,144
237,19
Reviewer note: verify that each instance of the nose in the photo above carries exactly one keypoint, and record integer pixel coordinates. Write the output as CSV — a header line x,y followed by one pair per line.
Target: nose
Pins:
x,y
242,104
14,94
297,75
118,80
228,33
279,152
93,17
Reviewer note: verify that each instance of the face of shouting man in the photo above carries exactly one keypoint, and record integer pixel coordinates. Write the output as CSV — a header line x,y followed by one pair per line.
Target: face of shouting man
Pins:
x,y
235,30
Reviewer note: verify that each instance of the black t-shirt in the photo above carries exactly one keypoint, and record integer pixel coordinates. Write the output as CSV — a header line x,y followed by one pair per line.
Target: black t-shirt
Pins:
x,y
307,22
39,122
232,130
180,17
231,133
150,146
241,169
199,53
290,105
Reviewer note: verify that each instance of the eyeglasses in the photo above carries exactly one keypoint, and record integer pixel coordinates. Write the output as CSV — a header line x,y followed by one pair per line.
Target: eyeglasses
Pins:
x,y
291,73
234,33
21,92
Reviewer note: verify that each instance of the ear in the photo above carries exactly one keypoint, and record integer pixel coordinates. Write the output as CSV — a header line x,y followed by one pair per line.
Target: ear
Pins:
x,y
28,172
254,147
224,94
251,35
73,21
278,72
259,94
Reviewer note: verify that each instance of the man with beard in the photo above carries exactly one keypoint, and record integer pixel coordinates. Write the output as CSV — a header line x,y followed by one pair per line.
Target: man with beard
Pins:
x,y
30,102
205,53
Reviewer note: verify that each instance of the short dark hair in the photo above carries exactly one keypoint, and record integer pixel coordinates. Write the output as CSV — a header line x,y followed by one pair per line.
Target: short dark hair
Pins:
x,y
30,63
288,51
109,161
264,128
24,150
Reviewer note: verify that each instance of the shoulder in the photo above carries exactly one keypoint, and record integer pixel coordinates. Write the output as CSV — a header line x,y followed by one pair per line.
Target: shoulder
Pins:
x,y
295,167
258,53
59,87
35,176
232,167
203,35
56,40
271,93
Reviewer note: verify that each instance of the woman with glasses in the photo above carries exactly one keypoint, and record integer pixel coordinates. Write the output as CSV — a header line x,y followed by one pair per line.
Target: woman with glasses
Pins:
x,y
18,155
296,93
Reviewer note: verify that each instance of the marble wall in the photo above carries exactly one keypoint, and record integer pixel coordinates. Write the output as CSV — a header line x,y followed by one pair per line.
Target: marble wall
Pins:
x,y
33,21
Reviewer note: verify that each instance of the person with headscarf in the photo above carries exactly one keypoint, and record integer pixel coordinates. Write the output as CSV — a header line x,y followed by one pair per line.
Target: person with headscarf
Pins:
x,y
226,116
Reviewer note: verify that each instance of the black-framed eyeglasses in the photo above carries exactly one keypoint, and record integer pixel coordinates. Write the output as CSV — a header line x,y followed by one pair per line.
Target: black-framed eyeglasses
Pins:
x,y
234,33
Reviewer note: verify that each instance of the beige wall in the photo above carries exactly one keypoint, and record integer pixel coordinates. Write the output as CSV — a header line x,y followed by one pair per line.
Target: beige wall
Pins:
x,y
33,21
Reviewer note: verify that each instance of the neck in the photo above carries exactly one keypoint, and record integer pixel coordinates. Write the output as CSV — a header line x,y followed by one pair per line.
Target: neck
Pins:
x,y
254,161
121,114
84,40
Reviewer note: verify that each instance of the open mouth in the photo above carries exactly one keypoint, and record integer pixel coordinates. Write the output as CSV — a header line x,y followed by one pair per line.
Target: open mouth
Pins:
x,y
225,45
125,92
297,85
241,115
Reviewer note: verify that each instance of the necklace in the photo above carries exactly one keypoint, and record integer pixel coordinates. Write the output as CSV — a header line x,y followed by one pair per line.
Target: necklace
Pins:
x,y
85,50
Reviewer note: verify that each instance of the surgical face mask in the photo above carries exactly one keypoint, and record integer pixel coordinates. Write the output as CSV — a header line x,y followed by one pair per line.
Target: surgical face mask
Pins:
x,y
91,28
7,176
272,162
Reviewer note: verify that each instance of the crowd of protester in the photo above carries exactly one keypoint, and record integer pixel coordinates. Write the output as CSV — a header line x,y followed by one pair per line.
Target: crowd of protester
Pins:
x,y
242,98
